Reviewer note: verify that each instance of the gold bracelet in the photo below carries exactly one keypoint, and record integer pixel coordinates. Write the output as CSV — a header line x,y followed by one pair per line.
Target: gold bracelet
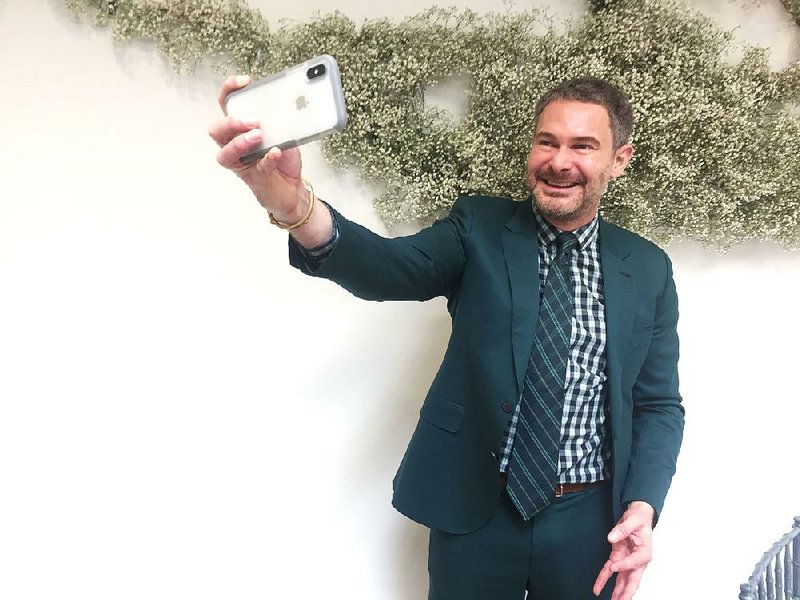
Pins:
x,y
311,199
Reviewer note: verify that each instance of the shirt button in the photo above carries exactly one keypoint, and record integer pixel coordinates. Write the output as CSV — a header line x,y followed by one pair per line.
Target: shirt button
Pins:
x,y
507,408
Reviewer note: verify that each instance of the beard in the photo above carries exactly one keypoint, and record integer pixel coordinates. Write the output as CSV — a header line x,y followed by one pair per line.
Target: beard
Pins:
x,y
572,204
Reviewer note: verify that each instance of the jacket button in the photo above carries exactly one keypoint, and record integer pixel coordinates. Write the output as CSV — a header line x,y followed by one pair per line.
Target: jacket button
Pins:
x,y
507,408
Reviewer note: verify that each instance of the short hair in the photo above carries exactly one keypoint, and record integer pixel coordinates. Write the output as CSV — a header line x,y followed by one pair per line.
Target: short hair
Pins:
x,y
595,91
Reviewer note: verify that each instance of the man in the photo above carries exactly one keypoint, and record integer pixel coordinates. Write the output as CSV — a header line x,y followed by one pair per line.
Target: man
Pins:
x,y
549,437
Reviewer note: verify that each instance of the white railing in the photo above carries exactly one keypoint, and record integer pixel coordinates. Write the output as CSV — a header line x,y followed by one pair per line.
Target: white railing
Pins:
x,y
777,574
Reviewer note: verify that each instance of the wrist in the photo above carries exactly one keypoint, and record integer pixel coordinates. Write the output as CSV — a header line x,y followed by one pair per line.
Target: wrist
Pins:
x,y
302,212
640,505
643,508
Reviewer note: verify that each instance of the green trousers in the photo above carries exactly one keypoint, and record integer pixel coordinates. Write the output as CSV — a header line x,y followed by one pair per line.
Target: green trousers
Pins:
x,y
557,555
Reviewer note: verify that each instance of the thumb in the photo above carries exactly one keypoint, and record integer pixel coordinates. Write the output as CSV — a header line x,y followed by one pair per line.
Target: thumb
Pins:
x,y
634,520
621,530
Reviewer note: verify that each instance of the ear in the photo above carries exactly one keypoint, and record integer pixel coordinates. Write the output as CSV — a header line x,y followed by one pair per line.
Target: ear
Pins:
x,y
621,159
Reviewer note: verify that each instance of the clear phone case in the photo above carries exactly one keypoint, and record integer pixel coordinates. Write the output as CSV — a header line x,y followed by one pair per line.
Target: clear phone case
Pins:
x,y
300,104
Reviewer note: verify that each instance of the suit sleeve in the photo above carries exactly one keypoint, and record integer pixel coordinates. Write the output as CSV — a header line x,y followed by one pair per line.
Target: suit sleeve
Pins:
x,y
416,267
658,415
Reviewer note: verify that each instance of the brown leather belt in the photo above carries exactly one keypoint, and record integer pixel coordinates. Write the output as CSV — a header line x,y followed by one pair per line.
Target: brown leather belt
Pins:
x,y
565,488
571,488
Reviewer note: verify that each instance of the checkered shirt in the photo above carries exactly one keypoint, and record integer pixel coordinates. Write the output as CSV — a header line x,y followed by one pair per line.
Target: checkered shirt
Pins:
x,y
583,456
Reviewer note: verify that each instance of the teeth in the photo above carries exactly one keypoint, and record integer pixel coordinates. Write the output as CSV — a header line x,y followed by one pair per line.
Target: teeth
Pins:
x,y
561,185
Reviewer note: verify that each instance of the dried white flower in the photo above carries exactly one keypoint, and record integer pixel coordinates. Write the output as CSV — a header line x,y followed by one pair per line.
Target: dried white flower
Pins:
x,y
716,157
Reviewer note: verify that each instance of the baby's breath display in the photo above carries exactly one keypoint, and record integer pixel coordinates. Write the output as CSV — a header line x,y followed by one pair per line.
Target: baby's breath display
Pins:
x,y
717,152
793,6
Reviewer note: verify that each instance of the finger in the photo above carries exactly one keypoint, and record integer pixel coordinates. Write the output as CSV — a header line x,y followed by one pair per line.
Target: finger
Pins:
x,y
619,532
224,130
602,578
268,162
620,587
632,584
229,154
627,585
636,560
618,552
232,83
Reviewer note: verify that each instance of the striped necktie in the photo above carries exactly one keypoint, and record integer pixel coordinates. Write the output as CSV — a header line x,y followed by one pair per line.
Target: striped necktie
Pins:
x,y
533,467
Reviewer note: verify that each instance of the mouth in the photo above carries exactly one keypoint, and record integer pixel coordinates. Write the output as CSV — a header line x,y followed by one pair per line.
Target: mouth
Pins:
x,y
561,185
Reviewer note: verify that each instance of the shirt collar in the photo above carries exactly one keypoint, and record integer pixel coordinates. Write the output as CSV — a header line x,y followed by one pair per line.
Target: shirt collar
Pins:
x,y
548,232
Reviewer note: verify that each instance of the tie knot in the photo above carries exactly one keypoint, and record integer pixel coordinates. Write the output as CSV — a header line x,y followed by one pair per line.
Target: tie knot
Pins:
x,y
566,242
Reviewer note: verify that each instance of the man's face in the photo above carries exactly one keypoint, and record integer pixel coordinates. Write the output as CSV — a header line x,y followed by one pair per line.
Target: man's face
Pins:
x,y
571,161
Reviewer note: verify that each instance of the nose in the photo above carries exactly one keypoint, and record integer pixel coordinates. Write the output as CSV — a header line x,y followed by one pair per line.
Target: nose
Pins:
x,y
561,159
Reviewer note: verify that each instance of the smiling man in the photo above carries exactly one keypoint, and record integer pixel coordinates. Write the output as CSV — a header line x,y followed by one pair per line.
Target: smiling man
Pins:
x,y
549,437
578,146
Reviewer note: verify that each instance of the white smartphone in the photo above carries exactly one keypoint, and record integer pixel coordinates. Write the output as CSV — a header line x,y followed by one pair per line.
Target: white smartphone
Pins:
x,y
300,104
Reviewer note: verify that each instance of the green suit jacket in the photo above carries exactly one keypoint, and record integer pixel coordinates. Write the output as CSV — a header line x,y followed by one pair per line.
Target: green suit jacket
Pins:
x,y
484,259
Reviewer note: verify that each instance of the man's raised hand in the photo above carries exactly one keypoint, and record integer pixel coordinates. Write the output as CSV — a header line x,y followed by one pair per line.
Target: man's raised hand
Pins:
x,y
275,179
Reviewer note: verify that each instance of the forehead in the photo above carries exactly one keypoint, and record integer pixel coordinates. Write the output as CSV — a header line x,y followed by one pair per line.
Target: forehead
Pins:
x,y
572,118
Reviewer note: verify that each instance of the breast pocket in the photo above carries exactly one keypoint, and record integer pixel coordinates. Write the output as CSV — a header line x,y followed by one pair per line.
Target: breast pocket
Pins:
x,y
442,413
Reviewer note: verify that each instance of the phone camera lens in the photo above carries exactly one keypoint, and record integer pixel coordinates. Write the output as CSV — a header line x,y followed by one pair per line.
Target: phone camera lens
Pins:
x,y
315,72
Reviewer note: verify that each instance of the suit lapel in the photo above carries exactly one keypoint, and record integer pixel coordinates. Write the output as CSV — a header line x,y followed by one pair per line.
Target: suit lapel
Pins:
x,y
619,289
521,252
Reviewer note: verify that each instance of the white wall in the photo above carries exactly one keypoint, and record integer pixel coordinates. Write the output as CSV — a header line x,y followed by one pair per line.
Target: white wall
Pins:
x,y
172,424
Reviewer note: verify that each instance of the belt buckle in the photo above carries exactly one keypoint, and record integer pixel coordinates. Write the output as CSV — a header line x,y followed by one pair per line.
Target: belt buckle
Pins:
x,y
559,490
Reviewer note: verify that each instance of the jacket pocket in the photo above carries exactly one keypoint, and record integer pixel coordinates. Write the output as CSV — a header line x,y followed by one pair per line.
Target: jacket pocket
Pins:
x,y
442,413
